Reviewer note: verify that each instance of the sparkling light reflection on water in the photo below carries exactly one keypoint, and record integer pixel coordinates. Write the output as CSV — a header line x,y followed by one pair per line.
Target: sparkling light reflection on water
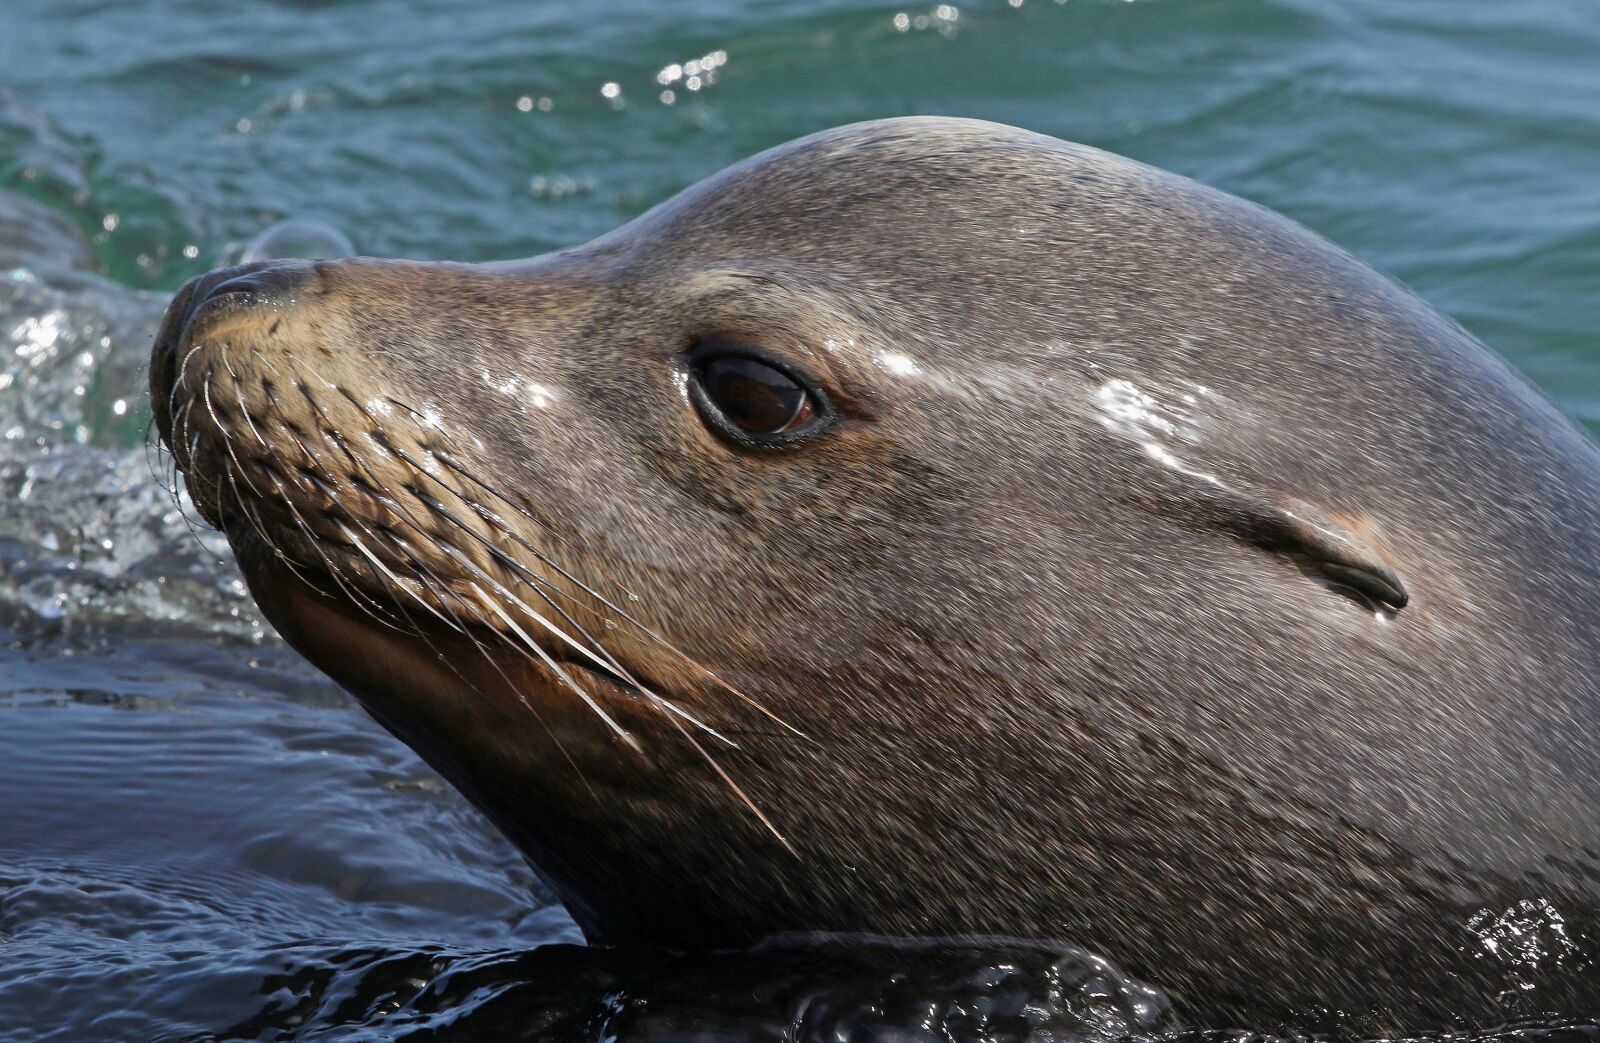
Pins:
x,y
177,787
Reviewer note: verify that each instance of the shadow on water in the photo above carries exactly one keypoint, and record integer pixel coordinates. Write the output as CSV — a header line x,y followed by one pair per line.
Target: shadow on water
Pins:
x,y
813,990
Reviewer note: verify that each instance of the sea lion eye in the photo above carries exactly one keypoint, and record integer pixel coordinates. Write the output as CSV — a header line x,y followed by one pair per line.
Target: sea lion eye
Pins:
x,y
752,400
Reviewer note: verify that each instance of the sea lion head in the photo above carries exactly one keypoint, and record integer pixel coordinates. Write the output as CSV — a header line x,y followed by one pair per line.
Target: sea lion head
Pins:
x,y
892,532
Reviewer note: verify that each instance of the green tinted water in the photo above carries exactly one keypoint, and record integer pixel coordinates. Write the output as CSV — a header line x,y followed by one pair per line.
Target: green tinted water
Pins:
x,y
1457,145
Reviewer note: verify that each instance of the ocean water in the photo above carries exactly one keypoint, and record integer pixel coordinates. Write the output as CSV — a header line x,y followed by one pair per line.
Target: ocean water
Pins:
x,y
200,837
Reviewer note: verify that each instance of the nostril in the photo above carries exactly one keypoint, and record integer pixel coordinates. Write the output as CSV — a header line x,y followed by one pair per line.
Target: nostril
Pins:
x,y
276,281
226,291
263,283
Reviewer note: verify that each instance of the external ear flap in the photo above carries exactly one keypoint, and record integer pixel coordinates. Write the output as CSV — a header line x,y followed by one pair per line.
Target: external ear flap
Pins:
x,y
1332,552
1325,550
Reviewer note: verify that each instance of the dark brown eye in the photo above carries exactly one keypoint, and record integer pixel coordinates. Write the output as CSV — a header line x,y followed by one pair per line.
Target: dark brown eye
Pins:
x,y
752,400
754,396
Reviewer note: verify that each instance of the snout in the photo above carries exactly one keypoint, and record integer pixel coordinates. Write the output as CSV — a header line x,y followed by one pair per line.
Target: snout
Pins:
x,y
262,288
267,284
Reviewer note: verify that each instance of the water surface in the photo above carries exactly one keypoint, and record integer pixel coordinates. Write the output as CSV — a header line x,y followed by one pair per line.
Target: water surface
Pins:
x,y
199,836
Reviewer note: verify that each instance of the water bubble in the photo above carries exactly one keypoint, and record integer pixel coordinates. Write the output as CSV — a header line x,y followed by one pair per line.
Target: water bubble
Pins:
x,y
301,237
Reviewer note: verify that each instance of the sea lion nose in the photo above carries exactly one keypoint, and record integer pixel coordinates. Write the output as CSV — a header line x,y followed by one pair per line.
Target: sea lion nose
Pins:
x,y
259,284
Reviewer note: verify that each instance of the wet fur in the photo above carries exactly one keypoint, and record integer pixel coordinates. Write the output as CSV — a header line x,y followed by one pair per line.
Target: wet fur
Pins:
x,y
1048,680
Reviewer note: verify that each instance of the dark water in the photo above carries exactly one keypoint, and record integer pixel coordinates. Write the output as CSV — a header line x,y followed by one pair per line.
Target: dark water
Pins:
x,y
200,837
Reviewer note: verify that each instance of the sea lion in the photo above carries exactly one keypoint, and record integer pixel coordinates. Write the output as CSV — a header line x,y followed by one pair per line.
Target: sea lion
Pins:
x,y
933,528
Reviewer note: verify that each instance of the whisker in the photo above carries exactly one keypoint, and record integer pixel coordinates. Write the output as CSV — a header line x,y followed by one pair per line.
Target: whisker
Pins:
x,y
737,791
377,485
251,424
227,440
266,363
194,450
538,583
654,697
277,551
425,576
504,528
359,600
177,381
494,663
597,653
544,657
159,474
154,450
175,493
355,541
489,593
330,431
180,434
501,525
500,588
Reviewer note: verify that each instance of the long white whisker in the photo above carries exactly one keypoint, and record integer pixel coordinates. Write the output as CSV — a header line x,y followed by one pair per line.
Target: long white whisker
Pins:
x,y
554,666
734,786
510,685
355,541
251,424
364,603
227,440
655,698
503,527
177,381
